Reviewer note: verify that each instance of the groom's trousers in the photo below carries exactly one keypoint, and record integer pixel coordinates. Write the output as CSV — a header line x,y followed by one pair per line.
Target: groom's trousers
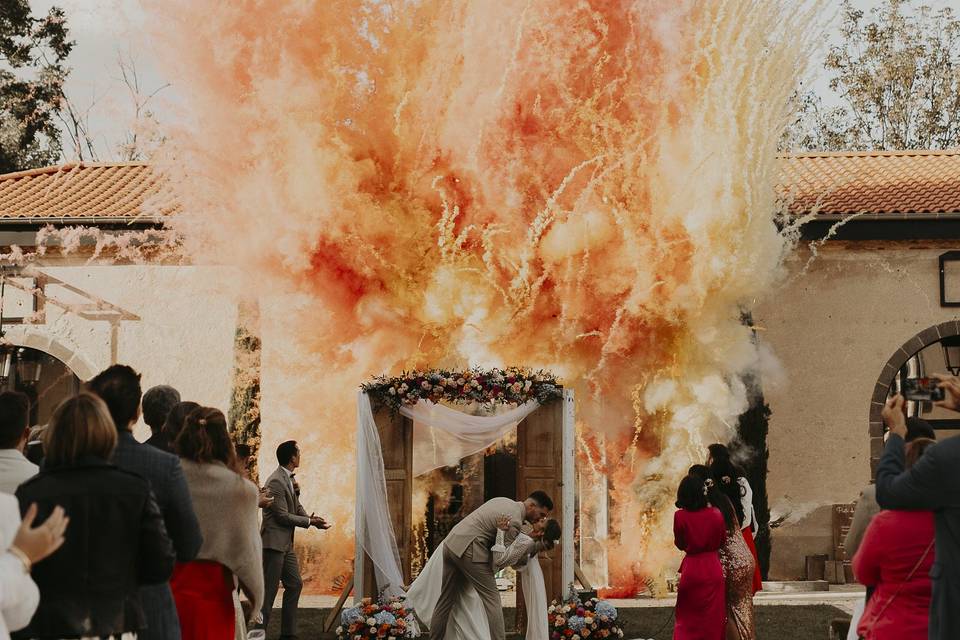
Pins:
x,y
457,572
282,566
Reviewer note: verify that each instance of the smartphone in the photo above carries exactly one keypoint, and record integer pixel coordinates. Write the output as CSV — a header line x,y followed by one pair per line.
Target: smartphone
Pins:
x,y
922,390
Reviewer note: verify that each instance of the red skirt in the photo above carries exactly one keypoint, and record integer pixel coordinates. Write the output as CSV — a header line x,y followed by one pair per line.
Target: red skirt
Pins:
x,y
757,579
203,591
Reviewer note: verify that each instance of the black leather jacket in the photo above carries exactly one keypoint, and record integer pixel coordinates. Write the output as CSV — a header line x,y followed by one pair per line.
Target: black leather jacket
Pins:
x,y
115,542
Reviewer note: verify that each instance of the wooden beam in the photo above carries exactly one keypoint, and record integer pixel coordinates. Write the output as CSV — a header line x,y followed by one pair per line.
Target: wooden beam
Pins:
x,y
332,618
582,579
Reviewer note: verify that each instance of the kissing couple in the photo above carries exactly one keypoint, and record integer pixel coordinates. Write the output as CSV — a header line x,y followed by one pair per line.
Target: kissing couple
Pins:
x,y
456,594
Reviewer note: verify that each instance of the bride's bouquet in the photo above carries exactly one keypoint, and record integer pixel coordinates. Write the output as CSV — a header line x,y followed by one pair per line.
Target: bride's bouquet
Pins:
x,y
388,619
574,619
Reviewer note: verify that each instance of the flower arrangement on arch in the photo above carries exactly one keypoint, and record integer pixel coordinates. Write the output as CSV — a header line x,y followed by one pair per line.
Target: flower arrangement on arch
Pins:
x,y
513,385
574,619
386,619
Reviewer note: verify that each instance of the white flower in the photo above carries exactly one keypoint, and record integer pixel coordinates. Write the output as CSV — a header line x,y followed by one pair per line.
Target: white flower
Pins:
x,y
339,630
404,387
371,622
527,385
461,382
575,637
392,391
425,385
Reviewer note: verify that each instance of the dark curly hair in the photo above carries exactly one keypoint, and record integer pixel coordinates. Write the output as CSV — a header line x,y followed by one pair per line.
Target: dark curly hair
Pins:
x,y
725,475
690,494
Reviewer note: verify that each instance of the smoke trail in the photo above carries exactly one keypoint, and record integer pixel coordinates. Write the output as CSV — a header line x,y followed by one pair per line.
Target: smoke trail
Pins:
x,y
585,186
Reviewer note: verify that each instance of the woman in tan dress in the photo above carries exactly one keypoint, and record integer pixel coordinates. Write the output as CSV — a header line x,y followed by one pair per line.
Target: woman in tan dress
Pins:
x,y
737,562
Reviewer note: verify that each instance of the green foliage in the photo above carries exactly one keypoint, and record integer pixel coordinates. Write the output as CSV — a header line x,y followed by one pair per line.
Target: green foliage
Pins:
x,y
34,52
898,78
244,413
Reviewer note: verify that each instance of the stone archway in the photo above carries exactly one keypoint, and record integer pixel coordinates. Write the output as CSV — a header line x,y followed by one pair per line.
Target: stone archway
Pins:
x,y
907,350
70,357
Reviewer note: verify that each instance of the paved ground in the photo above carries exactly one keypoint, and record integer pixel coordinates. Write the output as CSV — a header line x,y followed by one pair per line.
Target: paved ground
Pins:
x,y
843,597
779,616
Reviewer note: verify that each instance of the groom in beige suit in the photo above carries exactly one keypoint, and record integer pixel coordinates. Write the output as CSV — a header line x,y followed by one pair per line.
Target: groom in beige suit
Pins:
x,y
467,557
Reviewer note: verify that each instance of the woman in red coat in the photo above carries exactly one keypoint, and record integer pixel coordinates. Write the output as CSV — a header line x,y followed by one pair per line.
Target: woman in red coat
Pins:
x,y
894,558
699,530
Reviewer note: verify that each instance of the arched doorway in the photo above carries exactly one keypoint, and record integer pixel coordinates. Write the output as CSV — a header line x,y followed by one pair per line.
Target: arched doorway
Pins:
x,y
44,378
919,356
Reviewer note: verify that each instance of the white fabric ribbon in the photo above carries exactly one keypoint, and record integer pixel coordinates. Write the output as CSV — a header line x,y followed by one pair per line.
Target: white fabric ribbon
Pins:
x,y
441,436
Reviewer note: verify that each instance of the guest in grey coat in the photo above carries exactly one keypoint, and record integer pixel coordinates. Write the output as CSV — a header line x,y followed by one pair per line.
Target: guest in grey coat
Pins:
x,y
119,387
931,484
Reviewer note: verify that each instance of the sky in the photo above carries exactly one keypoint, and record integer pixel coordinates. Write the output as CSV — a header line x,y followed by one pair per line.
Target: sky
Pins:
x,y
106,30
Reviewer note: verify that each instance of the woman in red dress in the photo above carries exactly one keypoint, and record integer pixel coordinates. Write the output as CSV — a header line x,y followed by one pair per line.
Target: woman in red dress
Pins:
x,y
699,530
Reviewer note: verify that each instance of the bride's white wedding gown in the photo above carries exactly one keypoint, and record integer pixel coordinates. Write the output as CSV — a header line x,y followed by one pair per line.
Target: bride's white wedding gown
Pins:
x,y
468,621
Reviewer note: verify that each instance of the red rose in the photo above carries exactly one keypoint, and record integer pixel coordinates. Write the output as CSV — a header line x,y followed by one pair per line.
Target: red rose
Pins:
x,y
568,632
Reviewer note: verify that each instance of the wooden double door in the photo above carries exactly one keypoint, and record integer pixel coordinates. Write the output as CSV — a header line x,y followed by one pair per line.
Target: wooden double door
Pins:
x,y
539,455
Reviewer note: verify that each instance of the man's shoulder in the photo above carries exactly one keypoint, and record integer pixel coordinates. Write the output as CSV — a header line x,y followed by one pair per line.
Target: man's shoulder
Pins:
x,y
276,476
948,448
502,502
498,506
139,457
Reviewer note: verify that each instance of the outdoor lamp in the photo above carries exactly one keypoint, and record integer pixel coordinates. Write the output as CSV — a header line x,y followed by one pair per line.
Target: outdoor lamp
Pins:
x,y
6,364
951,353
28,368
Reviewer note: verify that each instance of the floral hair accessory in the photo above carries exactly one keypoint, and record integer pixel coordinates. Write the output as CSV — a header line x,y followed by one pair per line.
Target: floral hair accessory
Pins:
x,y
202,422
707,485
725,479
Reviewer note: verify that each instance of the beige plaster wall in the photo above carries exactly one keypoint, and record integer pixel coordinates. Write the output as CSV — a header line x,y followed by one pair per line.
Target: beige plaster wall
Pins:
x,y
833,327
183,334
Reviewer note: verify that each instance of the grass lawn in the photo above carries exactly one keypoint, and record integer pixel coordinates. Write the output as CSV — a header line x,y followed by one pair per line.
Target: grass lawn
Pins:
x,y
774,622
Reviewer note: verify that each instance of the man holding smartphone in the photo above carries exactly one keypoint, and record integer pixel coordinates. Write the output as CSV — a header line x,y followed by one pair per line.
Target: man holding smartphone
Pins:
x,y
933,484
280,519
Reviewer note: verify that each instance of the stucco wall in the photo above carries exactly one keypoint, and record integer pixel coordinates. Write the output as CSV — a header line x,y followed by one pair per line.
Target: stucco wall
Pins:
x,y
183,334
833,329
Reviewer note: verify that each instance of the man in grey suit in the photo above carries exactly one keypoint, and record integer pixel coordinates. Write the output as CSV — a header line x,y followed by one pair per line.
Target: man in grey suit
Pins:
x,y
280,520
932,484
467,557
119,387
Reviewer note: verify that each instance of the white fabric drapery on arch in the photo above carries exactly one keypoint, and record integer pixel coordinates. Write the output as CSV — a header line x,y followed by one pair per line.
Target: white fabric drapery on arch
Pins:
x,y
442,436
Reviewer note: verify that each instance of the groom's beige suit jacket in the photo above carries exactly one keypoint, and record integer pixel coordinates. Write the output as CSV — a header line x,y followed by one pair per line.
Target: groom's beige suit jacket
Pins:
x,y
479,529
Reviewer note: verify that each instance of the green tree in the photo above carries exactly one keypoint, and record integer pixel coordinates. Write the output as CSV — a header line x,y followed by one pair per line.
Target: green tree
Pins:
x,y
897,75
34,52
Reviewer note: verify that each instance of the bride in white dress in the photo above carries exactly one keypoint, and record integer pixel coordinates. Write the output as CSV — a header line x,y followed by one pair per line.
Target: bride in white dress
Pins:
x,y
468,620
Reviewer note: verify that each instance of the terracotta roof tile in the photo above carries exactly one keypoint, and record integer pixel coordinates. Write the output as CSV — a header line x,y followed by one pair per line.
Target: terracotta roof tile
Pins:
x,y
884,183
879,183
86,191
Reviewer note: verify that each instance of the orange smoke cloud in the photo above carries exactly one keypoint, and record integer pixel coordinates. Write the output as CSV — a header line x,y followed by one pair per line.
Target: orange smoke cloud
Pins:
x,y
580,185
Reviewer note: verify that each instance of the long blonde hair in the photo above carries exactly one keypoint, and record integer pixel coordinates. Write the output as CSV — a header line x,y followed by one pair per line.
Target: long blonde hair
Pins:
x,y
80,426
